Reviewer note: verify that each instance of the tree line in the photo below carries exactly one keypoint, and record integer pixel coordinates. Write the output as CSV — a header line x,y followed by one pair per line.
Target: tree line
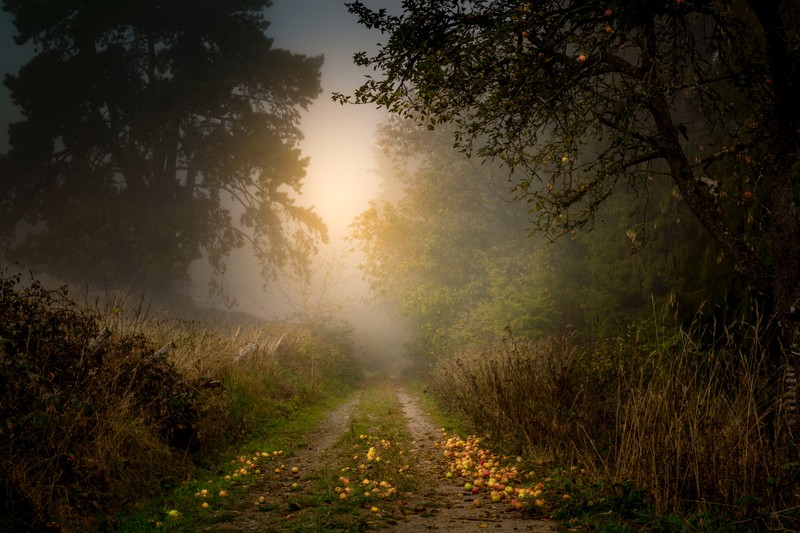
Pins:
x,y
581,100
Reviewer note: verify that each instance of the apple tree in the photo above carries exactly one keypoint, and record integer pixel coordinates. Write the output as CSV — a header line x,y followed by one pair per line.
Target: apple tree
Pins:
x,y
583,97
154,133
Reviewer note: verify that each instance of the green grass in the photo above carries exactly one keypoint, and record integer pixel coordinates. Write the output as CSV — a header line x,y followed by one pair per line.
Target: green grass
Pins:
x,y
285,435
442,418
377,423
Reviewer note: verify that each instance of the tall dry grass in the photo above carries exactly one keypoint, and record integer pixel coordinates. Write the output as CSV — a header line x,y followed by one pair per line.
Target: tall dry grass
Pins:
x,y
694,420
88,429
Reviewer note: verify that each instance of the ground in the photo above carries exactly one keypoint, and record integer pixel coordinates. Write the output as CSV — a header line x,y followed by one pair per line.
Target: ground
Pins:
x,y
271,501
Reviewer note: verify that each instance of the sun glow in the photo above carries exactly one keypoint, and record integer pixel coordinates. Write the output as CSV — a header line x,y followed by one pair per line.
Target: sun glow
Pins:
x,y
340,178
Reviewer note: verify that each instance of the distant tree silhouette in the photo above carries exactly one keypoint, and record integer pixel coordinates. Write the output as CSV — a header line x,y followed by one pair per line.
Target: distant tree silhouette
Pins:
x,y
155,133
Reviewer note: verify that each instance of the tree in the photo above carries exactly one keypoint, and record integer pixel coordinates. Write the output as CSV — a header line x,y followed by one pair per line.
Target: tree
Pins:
x,y
581,96
448,250
155,133
451,252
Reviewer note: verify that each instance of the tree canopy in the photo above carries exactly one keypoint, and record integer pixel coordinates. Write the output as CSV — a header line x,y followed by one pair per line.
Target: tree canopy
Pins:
x,y
446,247
578,97
155,134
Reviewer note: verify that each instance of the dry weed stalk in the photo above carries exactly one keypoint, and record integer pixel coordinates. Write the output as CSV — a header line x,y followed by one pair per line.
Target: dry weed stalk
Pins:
x,y
695,420
88,422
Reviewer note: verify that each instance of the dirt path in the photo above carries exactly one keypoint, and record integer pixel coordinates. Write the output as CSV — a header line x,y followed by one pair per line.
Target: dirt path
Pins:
x,y
441,504
276,490
450,508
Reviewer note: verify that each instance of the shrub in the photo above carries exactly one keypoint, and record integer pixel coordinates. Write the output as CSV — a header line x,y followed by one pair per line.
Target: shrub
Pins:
x,y
94,424
80,420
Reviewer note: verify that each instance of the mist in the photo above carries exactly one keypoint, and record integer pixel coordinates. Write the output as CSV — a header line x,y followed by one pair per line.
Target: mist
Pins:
x,y
568,228
338,184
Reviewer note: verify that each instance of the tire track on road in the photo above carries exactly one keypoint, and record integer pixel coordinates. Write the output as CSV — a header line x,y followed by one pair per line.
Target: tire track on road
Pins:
x,y
447,507
310,459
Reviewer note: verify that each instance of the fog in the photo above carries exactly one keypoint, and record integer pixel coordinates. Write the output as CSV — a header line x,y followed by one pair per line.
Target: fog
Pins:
x,y
340,180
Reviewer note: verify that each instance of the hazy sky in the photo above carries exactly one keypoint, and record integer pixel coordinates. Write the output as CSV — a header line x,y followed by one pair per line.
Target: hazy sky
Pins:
x,y
338,139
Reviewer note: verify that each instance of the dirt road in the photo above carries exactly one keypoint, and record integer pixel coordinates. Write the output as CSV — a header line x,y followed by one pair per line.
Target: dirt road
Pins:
x,y
437,504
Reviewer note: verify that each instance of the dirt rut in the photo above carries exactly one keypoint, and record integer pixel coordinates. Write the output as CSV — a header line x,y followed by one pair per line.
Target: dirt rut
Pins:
x,y
308,459
447,507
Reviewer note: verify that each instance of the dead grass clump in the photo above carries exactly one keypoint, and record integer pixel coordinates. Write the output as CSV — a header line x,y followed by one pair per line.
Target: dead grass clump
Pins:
x,y
701,430
696,424
545,394
94,423
84,423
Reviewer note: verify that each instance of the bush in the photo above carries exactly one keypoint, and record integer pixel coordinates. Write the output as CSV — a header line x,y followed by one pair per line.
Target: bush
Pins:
x,y
80,420
93,424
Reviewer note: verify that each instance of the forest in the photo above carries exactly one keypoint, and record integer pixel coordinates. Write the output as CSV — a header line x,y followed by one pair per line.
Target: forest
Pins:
x,y
587,225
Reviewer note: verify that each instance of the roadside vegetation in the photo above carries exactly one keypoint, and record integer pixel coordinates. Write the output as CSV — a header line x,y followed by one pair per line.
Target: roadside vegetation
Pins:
x,y
171,424
105,407
631,352
679,435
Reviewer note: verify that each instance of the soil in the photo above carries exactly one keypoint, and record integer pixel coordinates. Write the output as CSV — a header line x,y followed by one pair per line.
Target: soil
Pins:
x,y
441,506
455,510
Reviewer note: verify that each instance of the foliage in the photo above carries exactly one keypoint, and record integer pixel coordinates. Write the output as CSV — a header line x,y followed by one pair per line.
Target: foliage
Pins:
x,y
450,252
172,137
91,428
584,96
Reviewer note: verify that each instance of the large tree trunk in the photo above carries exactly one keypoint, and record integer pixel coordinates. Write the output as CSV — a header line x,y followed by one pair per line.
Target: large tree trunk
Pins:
x,y
782,121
